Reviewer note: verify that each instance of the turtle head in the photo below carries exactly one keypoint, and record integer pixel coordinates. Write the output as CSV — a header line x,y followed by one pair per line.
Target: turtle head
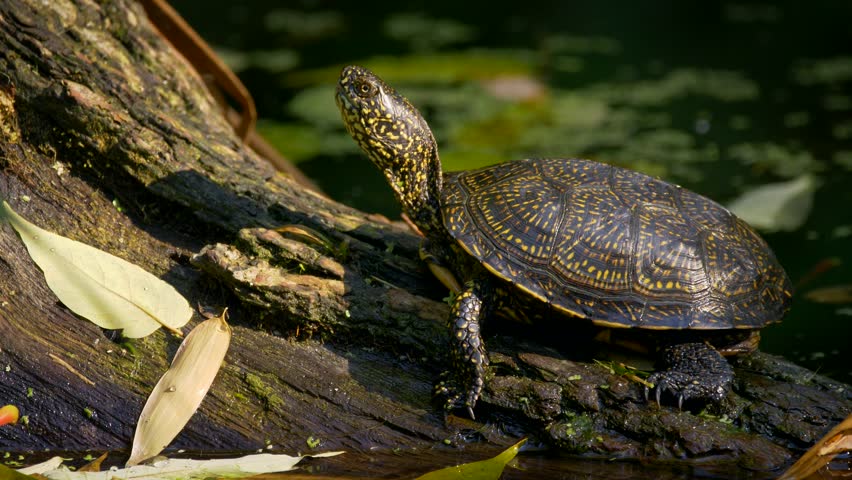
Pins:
x,y
396,138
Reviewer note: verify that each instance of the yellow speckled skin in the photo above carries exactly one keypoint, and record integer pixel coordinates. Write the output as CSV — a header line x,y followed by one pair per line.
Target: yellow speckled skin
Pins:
x,y
571,238
397,139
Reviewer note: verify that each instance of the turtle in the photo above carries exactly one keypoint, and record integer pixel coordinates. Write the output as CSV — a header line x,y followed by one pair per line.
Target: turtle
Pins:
x,y
573,240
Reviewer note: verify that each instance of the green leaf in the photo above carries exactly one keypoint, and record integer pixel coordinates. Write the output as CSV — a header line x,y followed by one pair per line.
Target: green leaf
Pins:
x,y
102,288
781,206
482,470
181,389
7,473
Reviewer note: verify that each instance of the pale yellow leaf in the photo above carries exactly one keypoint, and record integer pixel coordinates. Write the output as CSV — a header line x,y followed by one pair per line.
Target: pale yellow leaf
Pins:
x,y
490,469
189,469
50,464
835,294
781,206
181,389
100,287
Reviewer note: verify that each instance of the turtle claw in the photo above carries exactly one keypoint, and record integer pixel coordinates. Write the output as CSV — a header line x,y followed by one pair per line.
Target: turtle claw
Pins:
x,y
677,384
647,390
657,392
455,398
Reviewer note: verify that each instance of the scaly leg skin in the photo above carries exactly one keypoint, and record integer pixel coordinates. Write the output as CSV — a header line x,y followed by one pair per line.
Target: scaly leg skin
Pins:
x,y
692,371
469,355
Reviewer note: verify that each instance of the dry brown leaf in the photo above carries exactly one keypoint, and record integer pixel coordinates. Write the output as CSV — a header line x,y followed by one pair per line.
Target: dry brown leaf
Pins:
x,y
180,391
94,465
838,440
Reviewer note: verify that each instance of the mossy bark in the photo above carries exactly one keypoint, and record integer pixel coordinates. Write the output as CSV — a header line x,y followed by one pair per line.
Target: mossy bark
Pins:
x,y
109,138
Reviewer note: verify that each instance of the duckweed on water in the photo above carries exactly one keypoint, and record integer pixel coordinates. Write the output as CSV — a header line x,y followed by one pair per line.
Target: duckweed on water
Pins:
x,y
423,33
480,129
302,141
779,160
273,61
315,105
757,13
837,102
825,71
303,24
727,86
843,159
579,44
435,68
842,131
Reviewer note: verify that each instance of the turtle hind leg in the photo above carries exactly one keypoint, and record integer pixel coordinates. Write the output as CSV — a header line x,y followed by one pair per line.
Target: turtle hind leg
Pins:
x,y
469,357
692,371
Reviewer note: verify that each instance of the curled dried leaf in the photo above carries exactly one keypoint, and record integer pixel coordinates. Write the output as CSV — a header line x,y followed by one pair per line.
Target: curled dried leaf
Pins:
x,y
181,389
836,441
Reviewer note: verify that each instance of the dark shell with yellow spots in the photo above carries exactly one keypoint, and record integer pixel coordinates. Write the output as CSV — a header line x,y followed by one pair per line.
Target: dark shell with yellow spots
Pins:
x,y
615,246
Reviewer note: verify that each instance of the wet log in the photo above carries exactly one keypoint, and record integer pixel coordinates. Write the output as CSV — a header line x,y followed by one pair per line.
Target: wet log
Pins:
x,y
109,138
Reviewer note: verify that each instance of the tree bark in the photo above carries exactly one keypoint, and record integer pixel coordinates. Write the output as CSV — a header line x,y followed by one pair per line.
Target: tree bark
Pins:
x,y
109,138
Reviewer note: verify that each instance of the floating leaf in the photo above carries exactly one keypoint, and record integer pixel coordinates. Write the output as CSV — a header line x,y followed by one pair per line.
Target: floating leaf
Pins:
x,y
481,470
818,270
302,24
837,294
181,389
777,206
102,288
778,159
301,142
7,473
829,71
729,86
426,34
184,468
51,464
441,67
274,61
94,465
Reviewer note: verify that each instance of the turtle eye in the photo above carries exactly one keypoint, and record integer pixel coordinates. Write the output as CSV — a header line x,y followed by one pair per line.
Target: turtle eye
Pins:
x,y
365,89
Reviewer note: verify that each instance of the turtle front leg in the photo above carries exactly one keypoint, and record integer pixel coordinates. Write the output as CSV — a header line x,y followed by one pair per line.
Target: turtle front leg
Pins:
x,y
469,356
692,371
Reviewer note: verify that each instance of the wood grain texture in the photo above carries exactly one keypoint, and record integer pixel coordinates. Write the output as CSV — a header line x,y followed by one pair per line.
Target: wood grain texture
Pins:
x,y
341,343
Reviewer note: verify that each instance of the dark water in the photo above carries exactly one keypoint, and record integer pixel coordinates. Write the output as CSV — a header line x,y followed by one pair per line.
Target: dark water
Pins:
x,y
718,97
406,464
721,97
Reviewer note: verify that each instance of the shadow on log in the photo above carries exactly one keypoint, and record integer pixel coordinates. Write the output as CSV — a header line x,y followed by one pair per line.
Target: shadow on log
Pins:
x,y
109,138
